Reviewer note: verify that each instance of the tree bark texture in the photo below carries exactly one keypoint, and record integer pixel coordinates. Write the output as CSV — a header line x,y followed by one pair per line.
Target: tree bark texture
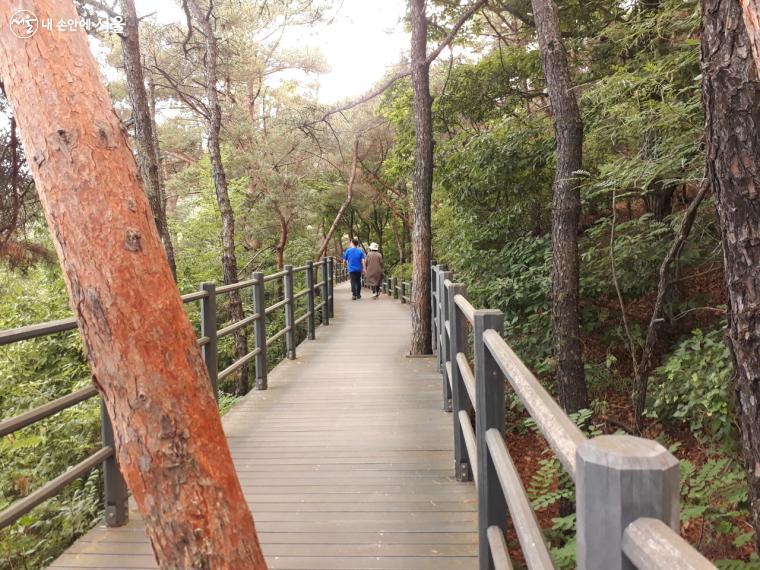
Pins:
x,y
422,184
229,259
731,99
140,345
566,206
751,13
147,156
346,203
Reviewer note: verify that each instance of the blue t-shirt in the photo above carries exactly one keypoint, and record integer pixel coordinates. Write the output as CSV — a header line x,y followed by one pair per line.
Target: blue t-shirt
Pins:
x,y
354,256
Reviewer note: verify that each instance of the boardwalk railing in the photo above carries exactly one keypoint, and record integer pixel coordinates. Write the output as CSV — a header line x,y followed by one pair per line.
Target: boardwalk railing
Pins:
x,y
319,277
627,488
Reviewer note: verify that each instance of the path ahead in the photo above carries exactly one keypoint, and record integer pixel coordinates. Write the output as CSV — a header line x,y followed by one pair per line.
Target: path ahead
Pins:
x,y
346,460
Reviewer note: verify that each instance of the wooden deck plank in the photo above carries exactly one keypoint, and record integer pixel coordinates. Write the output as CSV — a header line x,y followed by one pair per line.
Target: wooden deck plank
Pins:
x,y
346,460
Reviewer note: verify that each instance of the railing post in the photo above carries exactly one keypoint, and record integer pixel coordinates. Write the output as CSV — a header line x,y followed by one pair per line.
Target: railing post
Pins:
x,y
116,495
402,292
290,336
331,286
439,317
208,329
443,311
434,306
619,479
310,300
260,330
489,392
384,286
460,399
325,293
394,287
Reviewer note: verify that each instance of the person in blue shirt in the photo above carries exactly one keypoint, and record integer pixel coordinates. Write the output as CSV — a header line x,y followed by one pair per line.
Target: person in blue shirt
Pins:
x,y
355,259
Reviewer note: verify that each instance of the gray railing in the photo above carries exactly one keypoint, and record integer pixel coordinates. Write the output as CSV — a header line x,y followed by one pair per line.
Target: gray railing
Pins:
x,y
627,488
319,278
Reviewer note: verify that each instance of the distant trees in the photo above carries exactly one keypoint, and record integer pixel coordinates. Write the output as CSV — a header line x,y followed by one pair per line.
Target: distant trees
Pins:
x,y
169,439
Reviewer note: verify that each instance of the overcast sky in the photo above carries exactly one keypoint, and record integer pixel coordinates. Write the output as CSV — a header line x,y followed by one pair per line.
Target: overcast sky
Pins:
x,y
360,44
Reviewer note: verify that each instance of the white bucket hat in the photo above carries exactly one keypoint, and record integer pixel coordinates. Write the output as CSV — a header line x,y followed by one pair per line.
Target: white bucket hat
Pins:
x,y
373,246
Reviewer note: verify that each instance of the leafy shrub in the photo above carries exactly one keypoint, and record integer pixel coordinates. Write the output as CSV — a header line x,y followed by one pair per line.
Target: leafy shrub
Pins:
x,y
694,386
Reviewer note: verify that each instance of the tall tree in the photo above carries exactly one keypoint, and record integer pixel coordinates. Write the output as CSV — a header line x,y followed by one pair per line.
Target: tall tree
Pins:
x,y
566,207
140,345
147,152
422,183
731,99
229,259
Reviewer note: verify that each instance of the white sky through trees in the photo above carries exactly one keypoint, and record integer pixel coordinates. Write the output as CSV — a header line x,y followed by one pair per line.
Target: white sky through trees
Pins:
x,y
360,43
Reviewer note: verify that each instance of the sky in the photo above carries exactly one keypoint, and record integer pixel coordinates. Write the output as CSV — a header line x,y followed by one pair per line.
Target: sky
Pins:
x,y
362,41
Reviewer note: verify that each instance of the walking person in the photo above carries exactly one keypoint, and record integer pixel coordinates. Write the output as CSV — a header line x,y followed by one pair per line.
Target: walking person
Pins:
x,y
374,265
355,259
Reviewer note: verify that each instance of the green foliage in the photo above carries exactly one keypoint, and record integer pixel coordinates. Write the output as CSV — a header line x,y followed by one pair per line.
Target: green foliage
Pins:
x,y
694,386
716,492
33,373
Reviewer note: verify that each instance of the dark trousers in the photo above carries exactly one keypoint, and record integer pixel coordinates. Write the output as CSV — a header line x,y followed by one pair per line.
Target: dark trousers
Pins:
x,y
356,283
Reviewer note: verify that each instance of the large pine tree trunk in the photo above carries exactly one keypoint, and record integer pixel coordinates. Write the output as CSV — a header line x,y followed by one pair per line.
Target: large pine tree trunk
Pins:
x,y
422,186
566,206
731,98
140,345
144,135
229,259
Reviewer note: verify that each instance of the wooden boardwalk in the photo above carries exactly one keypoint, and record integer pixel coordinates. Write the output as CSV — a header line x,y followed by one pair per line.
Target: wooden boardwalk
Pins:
x,y
346,460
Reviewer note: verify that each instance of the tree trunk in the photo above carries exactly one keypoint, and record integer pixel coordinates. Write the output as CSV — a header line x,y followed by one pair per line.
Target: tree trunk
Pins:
x,y
568,128
346,203
229,259
751,12
422,184
139,343
658,200
146,149
283,241
731,98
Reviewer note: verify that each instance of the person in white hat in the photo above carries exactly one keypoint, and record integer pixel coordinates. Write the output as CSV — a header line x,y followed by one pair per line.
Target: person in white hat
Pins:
x,y
374,274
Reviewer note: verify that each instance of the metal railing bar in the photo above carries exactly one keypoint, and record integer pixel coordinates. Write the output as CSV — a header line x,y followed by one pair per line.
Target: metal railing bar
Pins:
x,y
236,286
318,285
447,327
449,375
238,364
560,432
523,518
203,341
466,307
197,296
301,319
469,442
278,335
229,329
651,544
276,306
468,377
499,550
273,276
302,268
46,410
300,294
52,488
34,331
319,306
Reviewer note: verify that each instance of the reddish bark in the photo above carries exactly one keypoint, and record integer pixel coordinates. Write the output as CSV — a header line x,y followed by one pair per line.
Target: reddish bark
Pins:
x,y
140,345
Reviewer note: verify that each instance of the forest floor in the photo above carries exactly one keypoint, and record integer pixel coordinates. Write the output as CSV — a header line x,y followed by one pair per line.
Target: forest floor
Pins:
x,y
529,450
